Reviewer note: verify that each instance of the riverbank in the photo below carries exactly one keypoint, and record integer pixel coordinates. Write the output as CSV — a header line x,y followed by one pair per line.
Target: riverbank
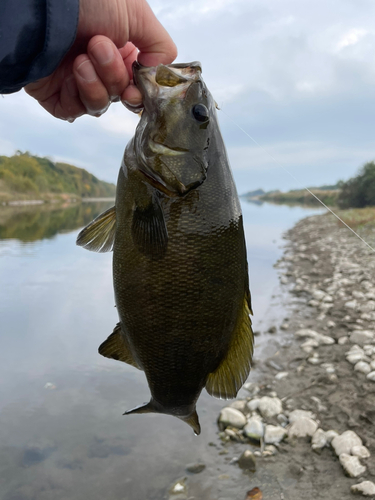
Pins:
x,y
325,366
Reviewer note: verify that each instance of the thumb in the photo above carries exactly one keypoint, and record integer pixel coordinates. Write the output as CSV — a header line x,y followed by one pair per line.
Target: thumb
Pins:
x,y
149,36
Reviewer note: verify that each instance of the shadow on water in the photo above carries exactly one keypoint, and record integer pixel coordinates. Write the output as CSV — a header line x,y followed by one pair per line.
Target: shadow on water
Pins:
x,y
32,223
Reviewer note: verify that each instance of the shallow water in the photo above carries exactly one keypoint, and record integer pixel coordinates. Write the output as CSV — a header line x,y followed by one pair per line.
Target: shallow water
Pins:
x,y
62,433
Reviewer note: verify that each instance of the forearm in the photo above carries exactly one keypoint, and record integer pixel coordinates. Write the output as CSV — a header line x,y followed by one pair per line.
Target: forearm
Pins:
x,y
34,37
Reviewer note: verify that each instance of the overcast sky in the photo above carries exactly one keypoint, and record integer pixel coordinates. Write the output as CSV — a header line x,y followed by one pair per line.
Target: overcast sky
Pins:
x,y
297,75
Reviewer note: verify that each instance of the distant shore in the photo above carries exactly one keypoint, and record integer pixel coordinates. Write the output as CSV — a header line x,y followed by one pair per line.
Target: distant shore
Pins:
x,y
53,200
313,408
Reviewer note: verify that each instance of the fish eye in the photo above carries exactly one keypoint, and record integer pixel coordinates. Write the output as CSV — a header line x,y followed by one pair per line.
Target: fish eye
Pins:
x,y
200,113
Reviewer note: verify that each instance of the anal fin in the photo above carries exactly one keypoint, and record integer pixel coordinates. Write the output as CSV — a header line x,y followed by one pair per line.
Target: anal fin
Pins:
x,y
228,378
99,235
116,347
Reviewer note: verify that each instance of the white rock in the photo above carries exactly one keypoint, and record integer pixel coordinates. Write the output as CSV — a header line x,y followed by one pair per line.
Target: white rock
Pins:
x,y
355,357
343,340
270,407
269,450
313,303
358,295
372,365
318,294
360,452
361,337
253,405
345,442
232,417
274,434
302,427
321,339
330,435
362,367
351,465
252,388
281,375
314,360
328,298
310,343
329,367
239,404
319,440
351,304
298,414
368,306
371,376
254,429
331,324
367,488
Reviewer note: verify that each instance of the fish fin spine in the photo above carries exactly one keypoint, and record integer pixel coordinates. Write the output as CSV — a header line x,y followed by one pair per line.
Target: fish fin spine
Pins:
x,y
231,374
116,347
99,235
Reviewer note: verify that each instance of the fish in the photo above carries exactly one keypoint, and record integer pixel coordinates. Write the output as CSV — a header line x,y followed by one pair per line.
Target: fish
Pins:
x,y
180,269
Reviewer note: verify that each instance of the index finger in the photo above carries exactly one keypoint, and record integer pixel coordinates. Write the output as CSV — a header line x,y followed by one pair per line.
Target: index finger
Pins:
x,y
149,36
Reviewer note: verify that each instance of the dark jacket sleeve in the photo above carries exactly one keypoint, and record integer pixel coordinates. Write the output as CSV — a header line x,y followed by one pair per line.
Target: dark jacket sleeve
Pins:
x,y
34,37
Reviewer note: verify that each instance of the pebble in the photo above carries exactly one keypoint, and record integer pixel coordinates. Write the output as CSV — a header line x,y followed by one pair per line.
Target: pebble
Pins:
x,y
239,404
367,488
321,339
254,429
319,440
284,326
282,419
281,375
362,367
371,376
351,465
314,359
330,435
318,294
195,468
252,388
345,442
372,365
253,405
331,324
270,407
361,337
269,450
303,427
351,304
360,452
247,461
232,417
274,434
178,487
298,414
343,340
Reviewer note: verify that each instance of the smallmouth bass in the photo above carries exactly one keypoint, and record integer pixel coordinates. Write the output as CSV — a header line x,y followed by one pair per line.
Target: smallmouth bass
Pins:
x,y
179,256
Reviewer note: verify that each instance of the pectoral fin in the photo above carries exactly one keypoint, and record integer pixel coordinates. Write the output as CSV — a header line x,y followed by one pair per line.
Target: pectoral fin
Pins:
x,y
228,378
149,230
99,235
116,347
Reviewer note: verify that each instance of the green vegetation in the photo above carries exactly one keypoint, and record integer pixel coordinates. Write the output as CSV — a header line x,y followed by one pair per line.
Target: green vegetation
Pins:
x,y
359,191
34,223
24,176
303,197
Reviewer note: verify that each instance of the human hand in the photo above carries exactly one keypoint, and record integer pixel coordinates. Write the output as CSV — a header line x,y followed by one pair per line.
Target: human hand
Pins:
x,y
98,68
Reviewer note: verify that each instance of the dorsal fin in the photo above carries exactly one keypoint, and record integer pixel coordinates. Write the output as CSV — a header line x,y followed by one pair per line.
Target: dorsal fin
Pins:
x,y
228,378
99,235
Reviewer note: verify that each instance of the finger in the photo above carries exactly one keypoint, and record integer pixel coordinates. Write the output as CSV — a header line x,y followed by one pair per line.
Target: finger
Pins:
x,y
146,32
132,99
92,91
109,65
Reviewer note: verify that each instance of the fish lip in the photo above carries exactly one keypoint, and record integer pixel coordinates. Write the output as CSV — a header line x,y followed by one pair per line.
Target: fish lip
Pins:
x,y
159,148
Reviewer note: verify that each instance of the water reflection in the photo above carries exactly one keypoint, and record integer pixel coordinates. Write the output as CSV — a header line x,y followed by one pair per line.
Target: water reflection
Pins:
x,y
32,223
62,433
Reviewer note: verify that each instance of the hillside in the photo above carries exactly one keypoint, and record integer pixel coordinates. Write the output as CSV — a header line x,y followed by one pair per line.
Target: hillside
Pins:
x,y
25,177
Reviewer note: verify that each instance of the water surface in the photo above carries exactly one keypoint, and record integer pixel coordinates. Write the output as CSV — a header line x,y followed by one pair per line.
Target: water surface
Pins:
x,y
62,433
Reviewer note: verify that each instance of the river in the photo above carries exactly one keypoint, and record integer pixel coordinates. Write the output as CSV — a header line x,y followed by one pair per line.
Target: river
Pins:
x,y
62,432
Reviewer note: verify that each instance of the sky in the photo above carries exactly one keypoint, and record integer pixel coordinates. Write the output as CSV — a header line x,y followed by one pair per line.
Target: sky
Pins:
x,y
298,76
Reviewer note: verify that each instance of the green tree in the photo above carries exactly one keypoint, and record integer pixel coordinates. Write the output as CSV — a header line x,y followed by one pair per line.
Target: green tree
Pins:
x,y
359,191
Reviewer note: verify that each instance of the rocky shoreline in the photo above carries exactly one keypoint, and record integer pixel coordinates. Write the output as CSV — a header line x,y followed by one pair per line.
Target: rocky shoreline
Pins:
x,y
309,423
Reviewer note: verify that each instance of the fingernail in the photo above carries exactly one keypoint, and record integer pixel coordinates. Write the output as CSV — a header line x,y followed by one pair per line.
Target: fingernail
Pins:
x,y
103,52
86,71
135,107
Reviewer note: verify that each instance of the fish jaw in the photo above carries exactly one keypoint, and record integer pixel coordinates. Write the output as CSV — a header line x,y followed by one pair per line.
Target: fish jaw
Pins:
x,y
153,406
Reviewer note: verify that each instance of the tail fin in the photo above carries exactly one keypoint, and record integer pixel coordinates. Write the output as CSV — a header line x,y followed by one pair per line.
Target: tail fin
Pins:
x,y
153,407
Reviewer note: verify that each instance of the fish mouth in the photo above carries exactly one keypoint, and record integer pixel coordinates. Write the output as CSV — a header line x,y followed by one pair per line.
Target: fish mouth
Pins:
x,y
162,149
